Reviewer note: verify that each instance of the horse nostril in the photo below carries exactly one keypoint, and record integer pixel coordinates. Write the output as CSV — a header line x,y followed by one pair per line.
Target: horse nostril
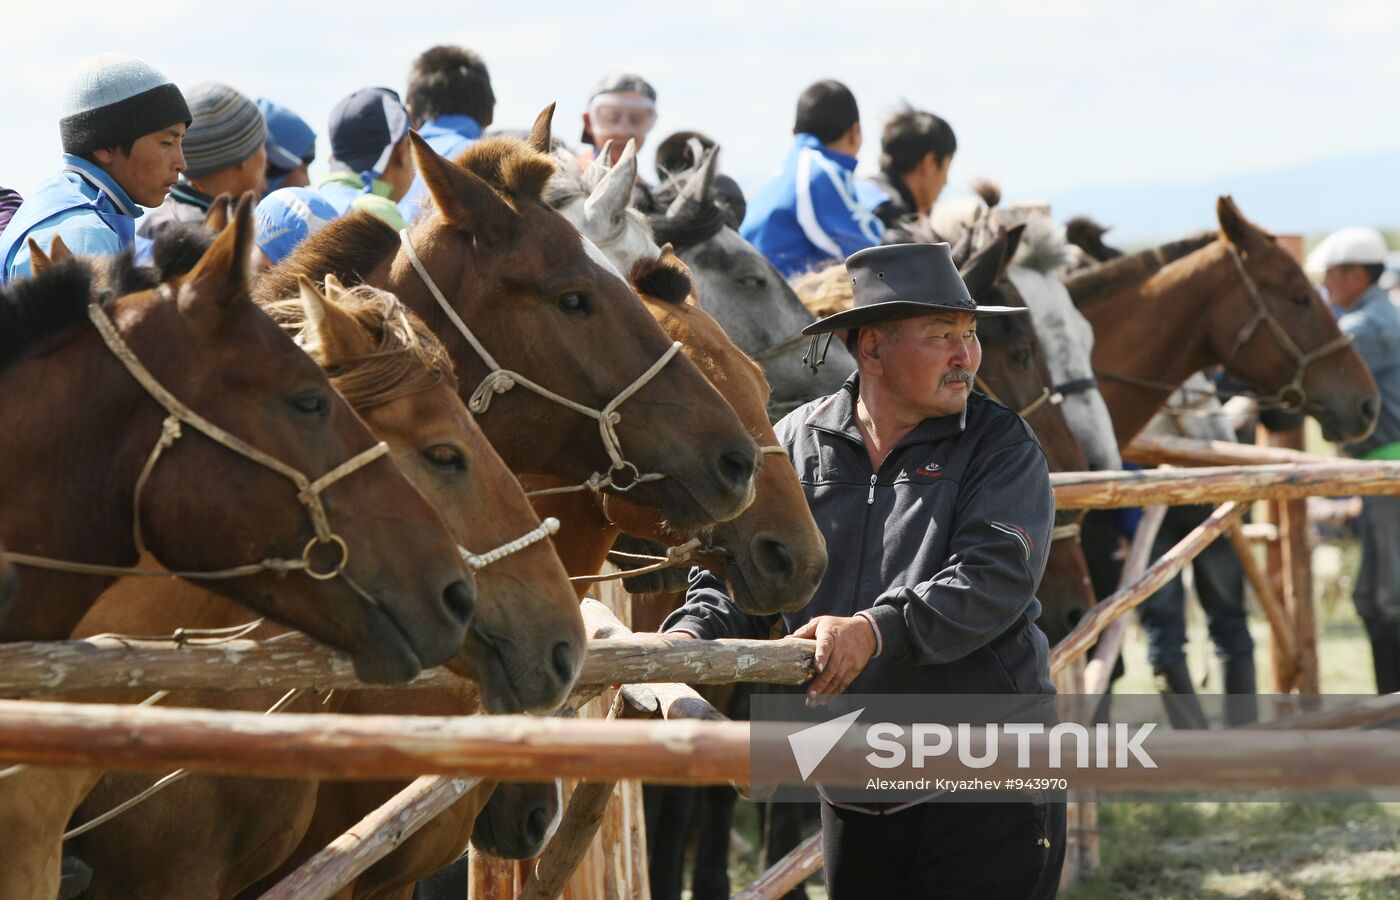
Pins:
x,y
460,601
772,558
736,469
537,826
1368,409
565,658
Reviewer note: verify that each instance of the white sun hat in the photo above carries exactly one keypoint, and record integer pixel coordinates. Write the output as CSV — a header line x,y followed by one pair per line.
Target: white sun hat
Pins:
x,y
1348,247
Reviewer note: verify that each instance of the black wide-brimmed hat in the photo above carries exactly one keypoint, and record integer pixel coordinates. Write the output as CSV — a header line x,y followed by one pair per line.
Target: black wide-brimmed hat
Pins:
x,y
902,281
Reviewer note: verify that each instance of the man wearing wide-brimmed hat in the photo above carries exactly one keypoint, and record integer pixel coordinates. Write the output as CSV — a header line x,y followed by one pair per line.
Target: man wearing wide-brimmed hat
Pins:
x,y
936,507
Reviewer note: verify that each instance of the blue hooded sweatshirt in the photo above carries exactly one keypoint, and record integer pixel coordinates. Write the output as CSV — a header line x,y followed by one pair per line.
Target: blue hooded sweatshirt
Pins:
x,y
810,213
449,136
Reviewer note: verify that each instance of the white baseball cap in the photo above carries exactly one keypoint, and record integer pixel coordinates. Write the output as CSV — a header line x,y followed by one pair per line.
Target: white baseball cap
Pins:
x,y
1348,247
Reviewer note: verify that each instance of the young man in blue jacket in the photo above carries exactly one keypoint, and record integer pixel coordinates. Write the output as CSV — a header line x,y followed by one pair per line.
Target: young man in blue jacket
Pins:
x,y
451,103
810,214
936,507
122,127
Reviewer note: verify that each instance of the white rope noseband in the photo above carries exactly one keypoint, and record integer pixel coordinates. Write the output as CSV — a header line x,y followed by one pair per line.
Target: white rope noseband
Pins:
x,y
499,379
308,491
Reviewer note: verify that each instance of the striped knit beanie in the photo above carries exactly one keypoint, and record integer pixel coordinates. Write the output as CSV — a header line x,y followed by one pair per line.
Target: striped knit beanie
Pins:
x,y
227,129
114,98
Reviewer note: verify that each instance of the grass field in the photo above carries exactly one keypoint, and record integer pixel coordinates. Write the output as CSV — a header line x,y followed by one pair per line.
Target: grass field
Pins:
x,y
1256,850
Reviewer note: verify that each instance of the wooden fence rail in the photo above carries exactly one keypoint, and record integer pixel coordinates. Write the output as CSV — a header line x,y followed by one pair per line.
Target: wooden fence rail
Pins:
x,y
1176,487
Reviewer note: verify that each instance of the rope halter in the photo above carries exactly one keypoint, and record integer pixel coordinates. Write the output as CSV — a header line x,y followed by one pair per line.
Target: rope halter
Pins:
x,y
499,379
678,555
308,491
1292,397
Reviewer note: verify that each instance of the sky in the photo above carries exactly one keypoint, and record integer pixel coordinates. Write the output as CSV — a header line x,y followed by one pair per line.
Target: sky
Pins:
x,y
1045,95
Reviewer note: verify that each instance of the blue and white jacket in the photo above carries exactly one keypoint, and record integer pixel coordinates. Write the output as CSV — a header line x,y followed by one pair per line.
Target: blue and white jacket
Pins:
x,y
83,204
809,213
449,136
1374,324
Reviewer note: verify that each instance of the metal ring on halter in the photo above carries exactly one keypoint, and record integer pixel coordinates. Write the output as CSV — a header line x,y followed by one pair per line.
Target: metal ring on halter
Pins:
x,y
316,542
624,488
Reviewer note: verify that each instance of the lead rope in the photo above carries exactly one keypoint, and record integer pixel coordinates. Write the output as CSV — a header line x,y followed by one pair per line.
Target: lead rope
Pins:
x,y
500,379
308,491
681,554
1047,395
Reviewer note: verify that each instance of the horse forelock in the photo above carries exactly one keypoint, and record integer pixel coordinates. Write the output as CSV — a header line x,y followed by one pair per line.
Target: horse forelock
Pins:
x,y
664,281
406,357
1043,247
43,307
511,166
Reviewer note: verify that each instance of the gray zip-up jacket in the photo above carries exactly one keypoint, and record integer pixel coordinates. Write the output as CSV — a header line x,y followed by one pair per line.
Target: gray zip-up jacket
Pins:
x,y
942,548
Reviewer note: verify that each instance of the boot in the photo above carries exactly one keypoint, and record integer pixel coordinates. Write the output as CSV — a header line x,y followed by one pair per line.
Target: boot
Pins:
x,y
1241,700
1179,696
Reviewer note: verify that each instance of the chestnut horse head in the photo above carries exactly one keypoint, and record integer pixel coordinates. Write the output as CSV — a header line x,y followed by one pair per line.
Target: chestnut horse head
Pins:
x,y
259,468
563,366
772,555
526,641
1235,298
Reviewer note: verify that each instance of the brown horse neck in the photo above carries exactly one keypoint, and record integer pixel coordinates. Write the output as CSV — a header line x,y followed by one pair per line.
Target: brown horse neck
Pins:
x,y
1149,336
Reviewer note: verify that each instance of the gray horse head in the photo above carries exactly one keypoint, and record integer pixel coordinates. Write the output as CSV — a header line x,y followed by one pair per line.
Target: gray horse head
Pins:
x,y
598,202
740,287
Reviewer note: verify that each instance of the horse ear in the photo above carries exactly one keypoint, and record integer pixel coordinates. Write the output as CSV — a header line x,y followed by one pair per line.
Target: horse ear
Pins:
x,y
222,275
39,261
1013,243
693,196
982,270
331,335
464,200
614,191
216,219
58,250
602,160
668,258
540,138
1235,229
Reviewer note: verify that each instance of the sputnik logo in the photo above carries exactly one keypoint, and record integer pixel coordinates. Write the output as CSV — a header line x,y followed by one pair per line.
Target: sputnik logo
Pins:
x,y
811,745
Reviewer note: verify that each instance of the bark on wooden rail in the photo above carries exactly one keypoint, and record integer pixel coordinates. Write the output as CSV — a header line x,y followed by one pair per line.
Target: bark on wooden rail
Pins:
x,y
1176,487
1165,449
371,839
787,873
107,663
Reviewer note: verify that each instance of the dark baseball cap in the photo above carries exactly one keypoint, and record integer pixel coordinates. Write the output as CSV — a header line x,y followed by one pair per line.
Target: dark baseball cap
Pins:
x,y
364,128
623,83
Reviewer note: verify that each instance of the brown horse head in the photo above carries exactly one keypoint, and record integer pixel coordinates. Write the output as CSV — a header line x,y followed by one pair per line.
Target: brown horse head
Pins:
x,y
403,598
545,304
772,554
1289,359
526,640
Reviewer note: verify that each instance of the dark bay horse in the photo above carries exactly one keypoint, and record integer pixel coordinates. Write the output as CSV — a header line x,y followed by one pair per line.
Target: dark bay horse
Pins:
x,y
523,647
1234,298
552,314
83,485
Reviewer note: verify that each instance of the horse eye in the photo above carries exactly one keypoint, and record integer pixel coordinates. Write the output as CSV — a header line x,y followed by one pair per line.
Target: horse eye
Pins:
x,y
445,456
752,281
311,403
574,304
1302,300
1022,358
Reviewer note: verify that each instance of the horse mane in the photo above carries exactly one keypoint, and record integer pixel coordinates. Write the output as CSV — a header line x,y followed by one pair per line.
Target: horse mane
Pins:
x,y
41,309
407,357
702,220
1108,278
825,291
659,279
347,248
1087,234
177,250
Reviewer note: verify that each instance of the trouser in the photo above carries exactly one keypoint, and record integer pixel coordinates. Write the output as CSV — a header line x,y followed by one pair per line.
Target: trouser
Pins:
x,y
1219,584
1377,594
938,850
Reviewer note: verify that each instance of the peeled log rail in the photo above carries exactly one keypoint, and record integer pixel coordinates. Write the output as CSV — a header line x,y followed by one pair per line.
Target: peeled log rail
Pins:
x,y
1084,634
1164,449
787,873
119,664
371,839
1098,673
523,749
1271,603
1179,487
